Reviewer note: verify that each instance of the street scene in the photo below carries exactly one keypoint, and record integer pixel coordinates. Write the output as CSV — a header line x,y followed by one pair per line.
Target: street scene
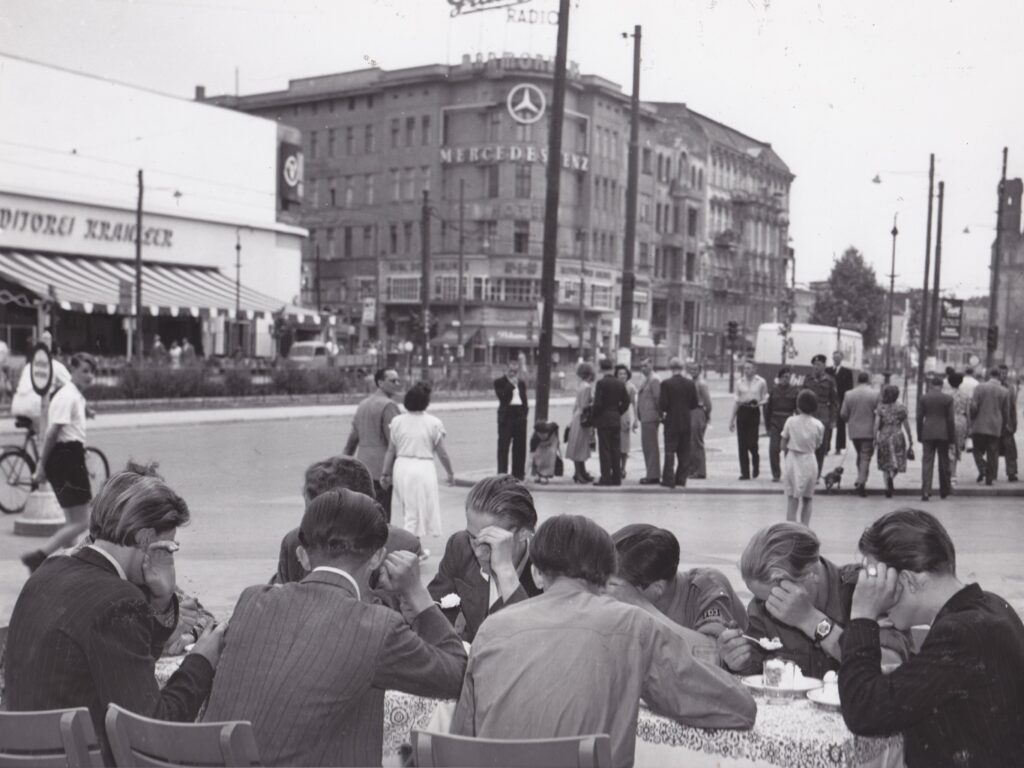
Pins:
x,y
403,372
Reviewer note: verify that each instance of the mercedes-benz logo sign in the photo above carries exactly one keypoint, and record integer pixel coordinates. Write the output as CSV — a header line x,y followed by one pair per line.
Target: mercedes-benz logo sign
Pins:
x,y
526,103
291,171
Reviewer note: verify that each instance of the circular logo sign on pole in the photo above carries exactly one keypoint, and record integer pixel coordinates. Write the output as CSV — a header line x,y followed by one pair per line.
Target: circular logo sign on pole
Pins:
x,y
526,103
42,369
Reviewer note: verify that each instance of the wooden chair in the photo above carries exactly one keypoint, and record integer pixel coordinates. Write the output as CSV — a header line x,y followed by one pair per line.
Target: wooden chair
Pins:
x,y
435,749
59,738
141,741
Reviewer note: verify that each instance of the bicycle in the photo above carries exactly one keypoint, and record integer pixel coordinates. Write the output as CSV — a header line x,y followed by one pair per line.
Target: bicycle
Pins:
x,y
18,467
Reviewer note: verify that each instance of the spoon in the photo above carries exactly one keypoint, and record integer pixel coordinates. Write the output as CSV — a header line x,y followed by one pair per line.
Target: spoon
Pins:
x,y
764,642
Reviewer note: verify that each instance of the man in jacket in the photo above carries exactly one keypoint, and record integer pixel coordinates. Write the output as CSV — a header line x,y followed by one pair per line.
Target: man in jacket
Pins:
x,y
370,435
678,397
1008,440
990,412
858,415
844,383
513,409
649,414
611,400
699,419
824,388
780,406
936,431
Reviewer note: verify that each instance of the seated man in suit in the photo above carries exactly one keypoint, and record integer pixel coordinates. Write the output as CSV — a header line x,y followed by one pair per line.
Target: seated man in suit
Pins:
x,y
88,627
308,663
487,565
700,599
333,474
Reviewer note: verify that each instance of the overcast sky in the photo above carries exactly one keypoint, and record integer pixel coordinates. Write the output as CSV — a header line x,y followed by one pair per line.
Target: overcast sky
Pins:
x,y
842,89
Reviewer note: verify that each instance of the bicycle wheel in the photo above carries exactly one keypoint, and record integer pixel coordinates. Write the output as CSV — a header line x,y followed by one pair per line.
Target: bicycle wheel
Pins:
x,y
16,470
97,466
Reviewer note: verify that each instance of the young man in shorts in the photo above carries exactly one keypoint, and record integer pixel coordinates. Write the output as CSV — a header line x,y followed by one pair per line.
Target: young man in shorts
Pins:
x,y
62,459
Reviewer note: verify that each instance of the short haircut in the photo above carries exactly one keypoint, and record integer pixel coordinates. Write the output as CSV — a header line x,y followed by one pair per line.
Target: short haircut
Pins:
x,y
819,359
910,540
935,381
417,397
131,500
950,370
606,364
80,359
784,370
890,393
863,377
335,473
584,371
575,547
504,497
675,364
621,367
956,379
1004,367
343,524
379,375
807,401
779,551
646,554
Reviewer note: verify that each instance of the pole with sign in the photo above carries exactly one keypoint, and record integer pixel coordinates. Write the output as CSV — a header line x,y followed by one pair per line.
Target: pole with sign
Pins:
x,y
43,515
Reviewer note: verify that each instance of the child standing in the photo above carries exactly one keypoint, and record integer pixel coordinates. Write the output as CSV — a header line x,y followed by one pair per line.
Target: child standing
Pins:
x,y
544,450
802,435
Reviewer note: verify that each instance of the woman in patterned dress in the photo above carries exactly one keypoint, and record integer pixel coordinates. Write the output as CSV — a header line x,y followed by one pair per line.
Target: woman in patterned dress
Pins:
x,y
891,423
961,421
629,421
577,449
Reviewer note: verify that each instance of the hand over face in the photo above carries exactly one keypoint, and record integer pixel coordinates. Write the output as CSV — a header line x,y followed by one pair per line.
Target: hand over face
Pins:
x,y
158,568
401,572
736,651
501,544
877,590
790,603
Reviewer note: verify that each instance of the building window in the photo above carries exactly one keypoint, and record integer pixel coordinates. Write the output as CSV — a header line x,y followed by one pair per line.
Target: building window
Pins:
x,y
521,291
691,222
615,144
313,152
645,255
347,243
523,132
409,187
407,236
396,185
332,142
425,176
425,130
368,241
492,178
645,160
521,237
369,140
494,126
677,263
410,131
675,219
350,140
404,288
490,235
396,132
446,287
331,252
349,192
657,217
581,137
370,184
479,287
333,194
658,265
393,238
691,267
600,297
523,178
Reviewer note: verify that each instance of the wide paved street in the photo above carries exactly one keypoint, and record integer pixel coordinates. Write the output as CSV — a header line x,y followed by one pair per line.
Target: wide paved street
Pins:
x,y
243,481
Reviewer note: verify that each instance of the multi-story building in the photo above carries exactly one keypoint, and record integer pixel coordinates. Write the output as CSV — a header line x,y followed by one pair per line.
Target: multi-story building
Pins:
x,y
1010,307
473,137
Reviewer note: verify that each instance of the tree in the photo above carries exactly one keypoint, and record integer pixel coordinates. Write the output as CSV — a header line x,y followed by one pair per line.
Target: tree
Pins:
x,y
853,295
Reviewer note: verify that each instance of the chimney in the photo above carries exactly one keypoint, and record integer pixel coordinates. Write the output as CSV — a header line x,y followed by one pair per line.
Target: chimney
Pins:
x,y
200,92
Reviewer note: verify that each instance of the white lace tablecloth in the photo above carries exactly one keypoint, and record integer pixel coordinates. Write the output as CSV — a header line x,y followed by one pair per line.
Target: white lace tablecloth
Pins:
x,y
796,734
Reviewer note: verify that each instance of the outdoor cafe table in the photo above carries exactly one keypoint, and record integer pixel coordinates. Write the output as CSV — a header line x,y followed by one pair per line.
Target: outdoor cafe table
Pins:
x,y
796,734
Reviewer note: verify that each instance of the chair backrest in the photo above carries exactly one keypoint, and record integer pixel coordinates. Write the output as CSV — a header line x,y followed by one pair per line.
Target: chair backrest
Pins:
x,y
436,749
59,738
141,741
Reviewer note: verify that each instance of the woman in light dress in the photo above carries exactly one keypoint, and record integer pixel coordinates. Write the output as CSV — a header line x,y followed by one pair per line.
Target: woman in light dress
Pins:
x,y
577,449
961,421
891,423
801,438
416,438
629,420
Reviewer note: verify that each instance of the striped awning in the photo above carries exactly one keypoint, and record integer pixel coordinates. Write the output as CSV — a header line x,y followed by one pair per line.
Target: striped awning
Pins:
x,y
92,285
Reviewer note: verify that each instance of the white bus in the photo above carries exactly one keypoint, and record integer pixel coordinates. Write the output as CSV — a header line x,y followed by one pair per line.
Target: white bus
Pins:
x,y
806,341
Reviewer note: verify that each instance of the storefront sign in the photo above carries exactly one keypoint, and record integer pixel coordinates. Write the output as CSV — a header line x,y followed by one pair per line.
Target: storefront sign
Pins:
x,y
531,16
526,103
497,153
369,311
463,7
510,62
289,173
89,228
951,313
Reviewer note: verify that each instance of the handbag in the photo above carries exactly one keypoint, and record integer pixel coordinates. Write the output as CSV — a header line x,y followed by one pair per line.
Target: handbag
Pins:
x,y
587,417
565,439
910,453
559,466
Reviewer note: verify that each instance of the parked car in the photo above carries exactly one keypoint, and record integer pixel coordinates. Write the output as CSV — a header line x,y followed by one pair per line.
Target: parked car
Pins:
x,y
309,354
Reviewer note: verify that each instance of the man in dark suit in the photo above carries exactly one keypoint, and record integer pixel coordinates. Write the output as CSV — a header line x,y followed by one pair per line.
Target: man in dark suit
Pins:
x,y
824,388
677,398
1008,440
88,627
333,474
936,431
611,400
990,413
513,409
486,566
844,383
308,663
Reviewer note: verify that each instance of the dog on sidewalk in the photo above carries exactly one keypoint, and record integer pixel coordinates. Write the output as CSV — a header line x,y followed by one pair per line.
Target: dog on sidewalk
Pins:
x,y
833,479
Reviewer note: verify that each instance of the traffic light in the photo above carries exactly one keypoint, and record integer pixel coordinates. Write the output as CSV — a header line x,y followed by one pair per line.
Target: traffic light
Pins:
x,y
732,331
992,339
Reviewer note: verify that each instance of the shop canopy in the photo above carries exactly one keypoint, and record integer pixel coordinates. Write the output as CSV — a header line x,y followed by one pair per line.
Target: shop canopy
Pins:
x,y
507,336
93,285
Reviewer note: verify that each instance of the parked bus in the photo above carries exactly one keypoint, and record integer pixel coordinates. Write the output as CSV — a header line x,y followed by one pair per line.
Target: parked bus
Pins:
x,y
805,341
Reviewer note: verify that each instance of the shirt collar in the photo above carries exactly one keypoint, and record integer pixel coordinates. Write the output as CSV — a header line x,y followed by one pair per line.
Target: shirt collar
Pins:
x,y
113,561
343,574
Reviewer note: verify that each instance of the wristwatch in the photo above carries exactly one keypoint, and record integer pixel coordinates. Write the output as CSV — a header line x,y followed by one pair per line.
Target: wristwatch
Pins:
x,y
823,630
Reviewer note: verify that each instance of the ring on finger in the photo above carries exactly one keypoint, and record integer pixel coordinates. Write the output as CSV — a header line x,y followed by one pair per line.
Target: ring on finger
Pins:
x,y
872,571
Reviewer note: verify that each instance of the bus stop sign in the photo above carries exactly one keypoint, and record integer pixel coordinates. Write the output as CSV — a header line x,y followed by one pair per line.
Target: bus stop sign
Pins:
x,y
42,369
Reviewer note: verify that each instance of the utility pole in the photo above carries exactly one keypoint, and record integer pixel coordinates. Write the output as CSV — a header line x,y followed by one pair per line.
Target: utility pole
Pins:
x,y
922,345
892,291
933,345
629,252
554,178
139,351
583,315
316,274
238,285
993,291
462,258
425,281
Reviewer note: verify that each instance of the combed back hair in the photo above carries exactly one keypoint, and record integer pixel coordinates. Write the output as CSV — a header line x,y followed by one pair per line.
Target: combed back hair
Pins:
x,y
379,375
646,554
606,364
863,377
335,473
807,401
779,551
343,523
910,540
417,397
504,497
82,359
131,500
575,547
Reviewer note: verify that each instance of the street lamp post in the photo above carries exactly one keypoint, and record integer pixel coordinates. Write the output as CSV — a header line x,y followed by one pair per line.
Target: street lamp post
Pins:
x,y
892,289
